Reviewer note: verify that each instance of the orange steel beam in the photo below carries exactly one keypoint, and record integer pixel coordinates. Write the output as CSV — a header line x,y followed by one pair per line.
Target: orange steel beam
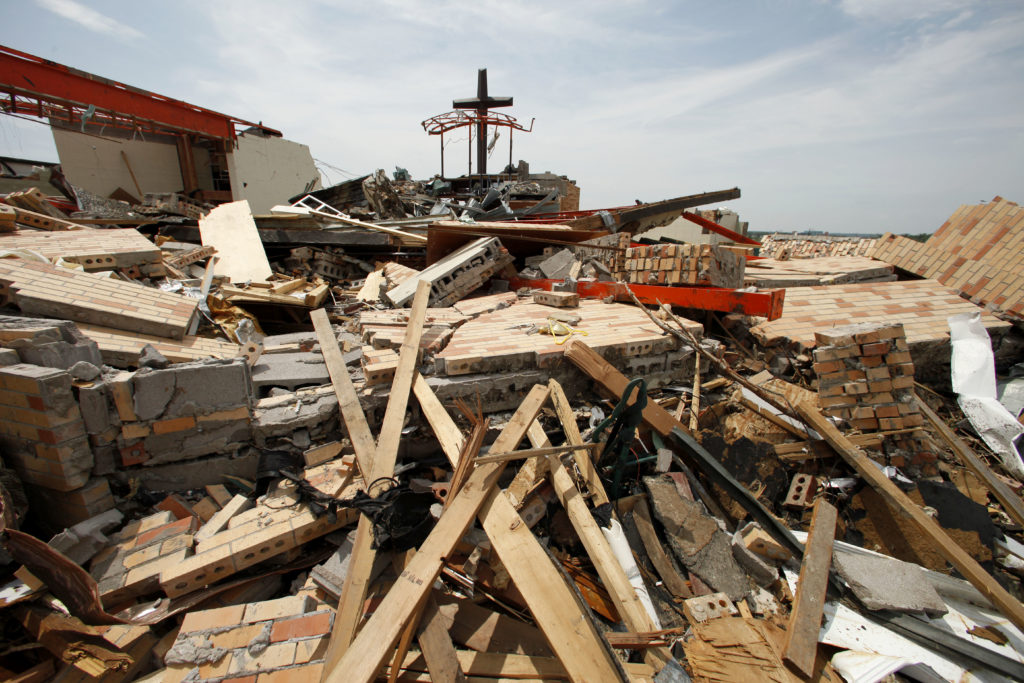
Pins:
x,y
38,87
766,302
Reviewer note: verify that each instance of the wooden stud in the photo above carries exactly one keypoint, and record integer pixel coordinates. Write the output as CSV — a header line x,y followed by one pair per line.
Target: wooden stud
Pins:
x,y
572,436
438,651
348,401
369,650
801,646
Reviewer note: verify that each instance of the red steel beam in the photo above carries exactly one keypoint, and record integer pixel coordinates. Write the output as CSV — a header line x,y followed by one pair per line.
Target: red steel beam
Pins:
x,y
766,303
27,76
720,230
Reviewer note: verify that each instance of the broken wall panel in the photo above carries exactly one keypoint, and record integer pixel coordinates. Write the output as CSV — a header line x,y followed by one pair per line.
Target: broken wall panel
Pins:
x,y
40,288
457,274
976,252
92,249
121,349
230,230
922,306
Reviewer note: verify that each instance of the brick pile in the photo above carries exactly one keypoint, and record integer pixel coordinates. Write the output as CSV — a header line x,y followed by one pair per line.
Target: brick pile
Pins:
x,y
684,264
276,641
866,377
783,247
132,564
121,349
277,525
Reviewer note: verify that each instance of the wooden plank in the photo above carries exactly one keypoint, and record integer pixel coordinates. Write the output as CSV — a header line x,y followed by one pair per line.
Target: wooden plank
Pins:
x,y
631,610
695,405
370,649
231,230
673,581
492,665
438,651
220,519
348,401
1011,501
801,646
563,409
901,504
554,607
569,632
532,471
613,382
357,581
447,433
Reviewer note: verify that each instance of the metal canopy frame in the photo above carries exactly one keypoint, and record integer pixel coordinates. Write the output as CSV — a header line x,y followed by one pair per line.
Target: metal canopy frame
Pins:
x,y
469,118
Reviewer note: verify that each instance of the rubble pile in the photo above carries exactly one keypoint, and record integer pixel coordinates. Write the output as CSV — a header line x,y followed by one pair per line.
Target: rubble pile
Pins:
x,y
462,430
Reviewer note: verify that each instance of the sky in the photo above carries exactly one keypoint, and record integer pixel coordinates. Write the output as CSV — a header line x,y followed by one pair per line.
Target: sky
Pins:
x,y
834,115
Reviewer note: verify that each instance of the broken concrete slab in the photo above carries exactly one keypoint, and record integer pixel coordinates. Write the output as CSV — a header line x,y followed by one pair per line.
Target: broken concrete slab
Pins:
x,y
289,370
558,265
885,583
696,539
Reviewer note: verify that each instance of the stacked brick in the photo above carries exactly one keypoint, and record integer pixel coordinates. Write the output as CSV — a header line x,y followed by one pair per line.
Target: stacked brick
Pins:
x,y
277,641
684,264
41,427
866,376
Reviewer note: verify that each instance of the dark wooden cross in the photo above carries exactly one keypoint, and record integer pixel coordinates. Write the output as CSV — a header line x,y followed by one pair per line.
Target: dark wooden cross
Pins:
x,y
481,103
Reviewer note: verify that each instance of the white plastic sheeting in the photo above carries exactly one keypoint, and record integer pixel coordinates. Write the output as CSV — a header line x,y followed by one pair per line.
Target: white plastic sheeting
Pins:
x,y
974,379
620,546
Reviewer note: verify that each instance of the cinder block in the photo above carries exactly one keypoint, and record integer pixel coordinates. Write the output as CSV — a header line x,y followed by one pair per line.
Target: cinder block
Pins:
x,y
557,299
801,491
707,607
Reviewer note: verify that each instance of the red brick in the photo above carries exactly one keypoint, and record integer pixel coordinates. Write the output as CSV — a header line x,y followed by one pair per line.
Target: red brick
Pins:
x,y
301,627
182,526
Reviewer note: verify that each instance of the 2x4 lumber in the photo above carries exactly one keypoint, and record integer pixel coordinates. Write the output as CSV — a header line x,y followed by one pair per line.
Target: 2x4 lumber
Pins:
x,y
554,607
532,471
447,433
902,504
673,581
348,401
438,650
536,452
569,631
631,610
563,409
695,404
613,381
801,647
357,581
370,649
1011,501
496,665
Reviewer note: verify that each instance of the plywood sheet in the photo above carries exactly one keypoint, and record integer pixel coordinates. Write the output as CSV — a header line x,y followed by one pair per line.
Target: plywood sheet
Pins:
x,y
231,230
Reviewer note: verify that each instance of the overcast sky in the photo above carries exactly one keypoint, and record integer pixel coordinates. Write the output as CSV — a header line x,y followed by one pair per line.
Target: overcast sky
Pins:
x,y
847,116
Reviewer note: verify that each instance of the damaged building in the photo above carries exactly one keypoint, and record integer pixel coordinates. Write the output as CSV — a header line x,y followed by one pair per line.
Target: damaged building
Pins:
x,y
459,428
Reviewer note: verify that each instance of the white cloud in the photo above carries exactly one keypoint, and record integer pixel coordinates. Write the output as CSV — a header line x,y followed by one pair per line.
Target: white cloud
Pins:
x,y
902,10
89,18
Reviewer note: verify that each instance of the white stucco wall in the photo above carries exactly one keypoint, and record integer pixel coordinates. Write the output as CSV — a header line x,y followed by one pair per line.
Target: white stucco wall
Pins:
x,y
95,163
268,170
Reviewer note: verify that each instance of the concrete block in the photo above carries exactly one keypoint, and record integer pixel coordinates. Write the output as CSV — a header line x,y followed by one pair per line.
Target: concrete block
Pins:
x,y
9,357
95,408
207,386
557,266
